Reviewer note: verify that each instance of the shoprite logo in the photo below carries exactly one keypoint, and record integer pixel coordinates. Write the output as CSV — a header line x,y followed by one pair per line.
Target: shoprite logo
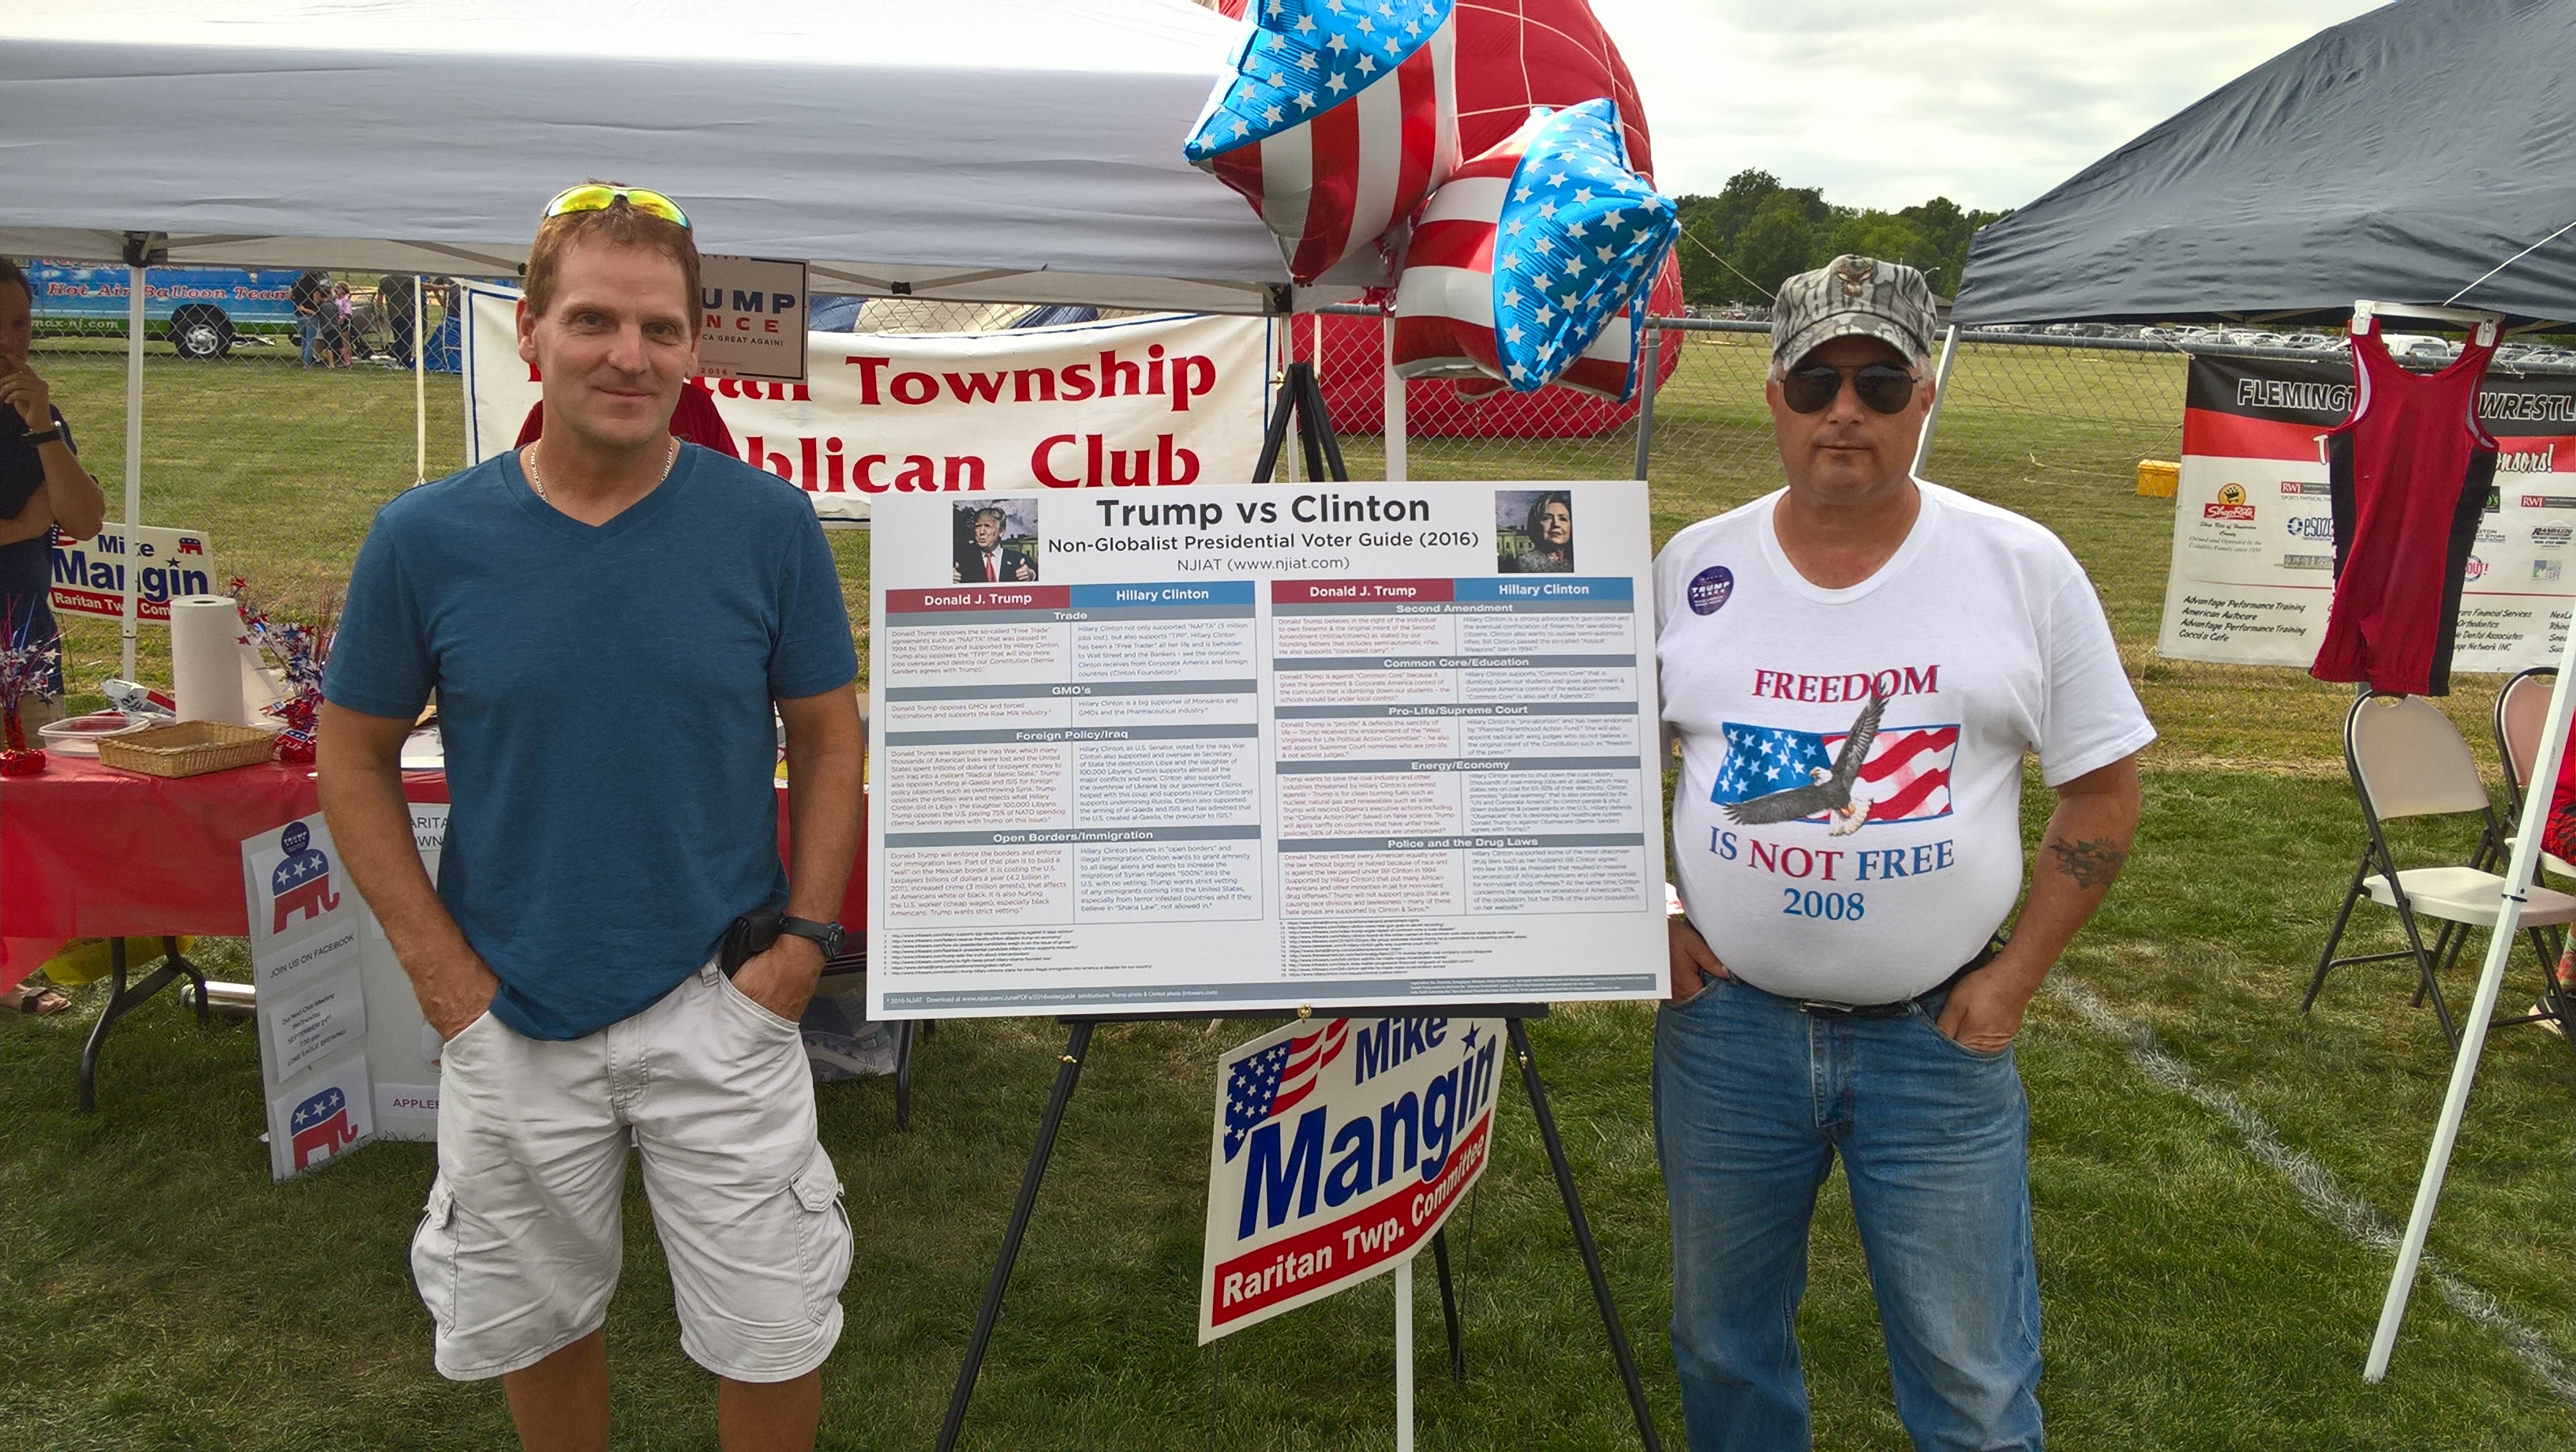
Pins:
x,y
2231,504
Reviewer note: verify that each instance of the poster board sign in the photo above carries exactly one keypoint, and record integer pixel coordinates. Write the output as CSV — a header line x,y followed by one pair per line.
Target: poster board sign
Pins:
x,y
305,927
751,320
2252,577
1158,400
344,1054
1261,746
1340,1148
89,573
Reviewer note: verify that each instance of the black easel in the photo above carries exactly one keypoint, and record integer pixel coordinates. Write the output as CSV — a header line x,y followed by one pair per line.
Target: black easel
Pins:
x,y
1069,1072
1302,398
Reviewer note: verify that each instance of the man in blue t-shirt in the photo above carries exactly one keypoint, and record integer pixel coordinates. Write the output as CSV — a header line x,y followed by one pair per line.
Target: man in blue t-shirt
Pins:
x,y
42,487
607,619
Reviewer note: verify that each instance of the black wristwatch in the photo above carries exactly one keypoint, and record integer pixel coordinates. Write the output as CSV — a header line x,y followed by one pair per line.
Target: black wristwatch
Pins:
x,y
827,936
48,436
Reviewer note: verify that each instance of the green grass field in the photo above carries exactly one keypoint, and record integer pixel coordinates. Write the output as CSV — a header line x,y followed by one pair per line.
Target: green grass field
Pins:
x,y
2199,1147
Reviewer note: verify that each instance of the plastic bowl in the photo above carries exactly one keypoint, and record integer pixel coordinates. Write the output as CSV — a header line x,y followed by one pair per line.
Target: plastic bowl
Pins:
x,y
80,735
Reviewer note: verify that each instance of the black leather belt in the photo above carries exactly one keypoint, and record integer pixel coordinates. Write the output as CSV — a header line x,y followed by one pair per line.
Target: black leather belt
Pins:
x,y
1819,1008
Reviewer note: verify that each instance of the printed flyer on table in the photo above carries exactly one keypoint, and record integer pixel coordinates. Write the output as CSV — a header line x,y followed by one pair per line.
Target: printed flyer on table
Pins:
x,y
1263,746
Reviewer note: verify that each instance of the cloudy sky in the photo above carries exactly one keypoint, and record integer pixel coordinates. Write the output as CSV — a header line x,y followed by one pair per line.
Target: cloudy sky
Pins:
x,y
1987,102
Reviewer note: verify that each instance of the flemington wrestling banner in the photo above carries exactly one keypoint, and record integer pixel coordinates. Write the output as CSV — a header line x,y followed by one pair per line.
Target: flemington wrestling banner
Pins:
x,y
2253,545
1138,402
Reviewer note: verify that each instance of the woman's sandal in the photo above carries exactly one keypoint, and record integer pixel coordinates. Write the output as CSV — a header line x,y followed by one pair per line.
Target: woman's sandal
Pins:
x,y
33,1000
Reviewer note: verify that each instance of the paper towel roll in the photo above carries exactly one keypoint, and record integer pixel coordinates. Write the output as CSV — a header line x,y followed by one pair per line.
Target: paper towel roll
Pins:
x,y
205,658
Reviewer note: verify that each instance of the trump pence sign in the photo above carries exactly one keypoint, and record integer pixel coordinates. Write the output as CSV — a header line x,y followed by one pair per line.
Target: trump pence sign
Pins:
x,y
1340,1147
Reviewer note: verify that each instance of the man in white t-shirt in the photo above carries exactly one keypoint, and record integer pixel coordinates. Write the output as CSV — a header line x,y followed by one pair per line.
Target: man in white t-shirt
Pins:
x,y
1854,667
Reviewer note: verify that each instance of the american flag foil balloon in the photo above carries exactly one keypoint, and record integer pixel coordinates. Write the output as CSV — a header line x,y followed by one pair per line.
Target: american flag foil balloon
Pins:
x,y
1338,118
1526,265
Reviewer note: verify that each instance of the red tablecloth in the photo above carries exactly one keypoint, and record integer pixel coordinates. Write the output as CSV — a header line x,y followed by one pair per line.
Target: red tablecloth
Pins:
x,y
87,851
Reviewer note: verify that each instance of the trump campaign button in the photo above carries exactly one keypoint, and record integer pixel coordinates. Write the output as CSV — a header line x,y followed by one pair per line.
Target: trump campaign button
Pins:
x,y
1709,589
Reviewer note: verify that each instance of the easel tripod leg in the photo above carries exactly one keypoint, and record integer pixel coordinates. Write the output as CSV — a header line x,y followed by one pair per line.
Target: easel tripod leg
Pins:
x,y
1449,1307
1068,1072
1583,1236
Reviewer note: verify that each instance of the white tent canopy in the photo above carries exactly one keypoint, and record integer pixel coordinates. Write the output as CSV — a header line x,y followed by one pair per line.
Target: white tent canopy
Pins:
x,y
988,150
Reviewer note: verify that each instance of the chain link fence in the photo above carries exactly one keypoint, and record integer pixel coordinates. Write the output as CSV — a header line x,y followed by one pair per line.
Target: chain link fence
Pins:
x,y
279,465
2083,408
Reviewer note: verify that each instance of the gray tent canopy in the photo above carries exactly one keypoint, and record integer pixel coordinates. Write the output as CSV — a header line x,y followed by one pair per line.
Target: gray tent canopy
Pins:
x,y
981,150
2399,156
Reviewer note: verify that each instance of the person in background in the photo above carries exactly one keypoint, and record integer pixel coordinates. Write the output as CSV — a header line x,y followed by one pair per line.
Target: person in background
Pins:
x,y
42,488
342,325
1855,666
569,956
310,294
42,484
398,303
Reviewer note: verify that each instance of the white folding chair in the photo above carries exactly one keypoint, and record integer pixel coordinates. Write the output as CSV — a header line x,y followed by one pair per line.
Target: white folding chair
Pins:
x,y
2406,759
2521,710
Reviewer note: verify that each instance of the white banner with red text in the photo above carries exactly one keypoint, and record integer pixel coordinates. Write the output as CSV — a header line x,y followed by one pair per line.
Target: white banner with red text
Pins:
x,y
1136,402
1340,1148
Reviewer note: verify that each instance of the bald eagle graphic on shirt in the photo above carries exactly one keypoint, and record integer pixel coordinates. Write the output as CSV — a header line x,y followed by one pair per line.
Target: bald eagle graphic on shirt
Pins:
x,y
1846,780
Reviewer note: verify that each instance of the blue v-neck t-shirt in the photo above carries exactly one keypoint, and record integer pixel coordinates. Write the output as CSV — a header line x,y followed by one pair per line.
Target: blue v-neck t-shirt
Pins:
x,y
604,694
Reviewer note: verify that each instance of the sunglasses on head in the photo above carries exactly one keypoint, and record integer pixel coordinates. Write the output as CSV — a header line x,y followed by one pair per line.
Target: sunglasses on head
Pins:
x,y
600,196
1812,387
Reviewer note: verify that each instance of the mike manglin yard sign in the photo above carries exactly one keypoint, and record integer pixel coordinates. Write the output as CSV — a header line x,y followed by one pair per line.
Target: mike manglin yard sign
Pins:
x,y
1340,1147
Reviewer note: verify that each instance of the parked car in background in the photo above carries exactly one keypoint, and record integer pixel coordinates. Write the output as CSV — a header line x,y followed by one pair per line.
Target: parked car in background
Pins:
x,y
200,310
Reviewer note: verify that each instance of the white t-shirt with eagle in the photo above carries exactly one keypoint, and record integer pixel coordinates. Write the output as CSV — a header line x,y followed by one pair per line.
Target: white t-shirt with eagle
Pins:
x,y
1848,824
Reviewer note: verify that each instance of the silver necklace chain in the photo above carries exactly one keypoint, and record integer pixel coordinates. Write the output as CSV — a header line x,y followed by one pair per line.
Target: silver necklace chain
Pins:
x,y
529,458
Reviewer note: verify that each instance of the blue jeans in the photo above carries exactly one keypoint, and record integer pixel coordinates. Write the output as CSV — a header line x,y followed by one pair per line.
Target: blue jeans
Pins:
x,y
308,332
1753,1099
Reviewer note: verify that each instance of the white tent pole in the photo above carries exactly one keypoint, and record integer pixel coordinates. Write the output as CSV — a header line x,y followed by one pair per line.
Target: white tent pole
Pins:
x,y
419,387
1403,1350
1395,424
2473,1034
1940,391
133,458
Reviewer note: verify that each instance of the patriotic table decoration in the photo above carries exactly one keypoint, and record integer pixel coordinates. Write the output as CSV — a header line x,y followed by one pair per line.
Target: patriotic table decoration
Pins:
x,y
27,665
1526,263
301,652
1340,116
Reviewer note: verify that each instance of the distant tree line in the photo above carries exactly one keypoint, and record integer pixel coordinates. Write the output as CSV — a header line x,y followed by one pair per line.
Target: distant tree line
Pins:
x,y
1739,245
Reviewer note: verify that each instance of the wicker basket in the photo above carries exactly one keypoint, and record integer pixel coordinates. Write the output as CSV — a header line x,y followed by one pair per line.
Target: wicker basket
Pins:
x,y
190,748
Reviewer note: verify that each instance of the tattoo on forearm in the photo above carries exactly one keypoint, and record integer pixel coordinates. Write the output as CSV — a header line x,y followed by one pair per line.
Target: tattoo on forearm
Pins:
x,y
2091,863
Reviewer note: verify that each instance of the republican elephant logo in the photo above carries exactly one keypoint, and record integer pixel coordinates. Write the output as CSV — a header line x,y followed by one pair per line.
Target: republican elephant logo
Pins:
x,y
301,883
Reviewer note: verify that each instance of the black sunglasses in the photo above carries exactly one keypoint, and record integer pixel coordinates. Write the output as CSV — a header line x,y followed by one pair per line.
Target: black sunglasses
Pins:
x,y
1884,387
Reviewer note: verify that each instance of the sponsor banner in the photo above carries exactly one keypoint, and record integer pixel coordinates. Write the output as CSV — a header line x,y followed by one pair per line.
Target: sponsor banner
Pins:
x,y
1340,1147
89,574
2253,547
1141,402
751,320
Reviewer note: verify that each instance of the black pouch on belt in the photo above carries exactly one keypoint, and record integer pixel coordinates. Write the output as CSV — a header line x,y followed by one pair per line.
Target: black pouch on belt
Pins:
x,y
749,936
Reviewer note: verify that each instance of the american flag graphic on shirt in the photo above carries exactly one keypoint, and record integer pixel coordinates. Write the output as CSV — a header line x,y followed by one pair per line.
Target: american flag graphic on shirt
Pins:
x,y
1339,118
1906,775
1263,1086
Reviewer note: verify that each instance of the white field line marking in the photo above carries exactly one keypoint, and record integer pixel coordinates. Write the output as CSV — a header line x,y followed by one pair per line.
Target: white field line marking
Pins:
x,y
2358,1219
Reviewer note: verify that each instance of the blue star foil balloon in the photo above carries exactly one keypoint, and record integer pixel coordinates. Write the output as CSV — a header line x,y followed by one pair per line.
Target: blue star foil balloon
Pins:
x,y
1340,116
1527,266
1578,240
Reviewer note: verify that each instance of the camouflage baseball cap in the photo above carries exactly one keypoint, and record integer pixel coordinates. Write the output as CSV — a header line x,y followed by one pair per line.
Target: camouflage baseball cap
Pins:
x,y
1853,297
